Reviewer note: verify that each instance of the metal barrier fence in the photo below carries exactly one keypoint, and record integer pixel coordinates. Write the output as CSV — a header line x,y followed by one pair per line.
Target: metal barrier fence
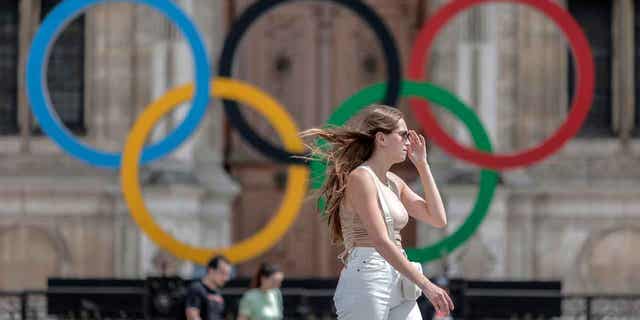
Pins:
x,y
23,305
32,305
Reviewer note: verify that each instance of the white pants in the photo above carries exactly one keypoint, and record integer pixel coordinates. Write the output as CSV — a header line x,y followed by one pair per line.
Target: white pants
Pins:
x,y
368,289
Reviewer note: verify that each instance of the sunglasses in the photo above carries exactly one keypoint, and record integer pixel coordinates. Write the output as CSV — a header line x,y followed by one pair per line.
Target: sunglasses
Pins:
x,y
403,134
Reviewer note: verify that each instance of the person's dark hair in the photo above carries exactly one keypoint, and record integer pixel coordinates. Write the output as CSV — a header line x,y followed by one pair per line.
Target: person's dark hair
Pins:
x,y
265,270
348,147
215,262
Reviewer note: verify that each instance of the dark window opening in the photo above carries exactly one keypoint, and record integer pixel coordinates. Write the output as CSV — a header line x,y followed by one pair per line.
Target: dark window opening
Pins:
x,y
65,72
8,66
594,16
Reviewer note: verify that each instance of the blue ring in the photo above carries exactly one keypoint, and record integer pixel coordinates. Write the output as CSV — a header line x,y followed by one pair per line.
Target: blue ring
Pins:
x,y
39,96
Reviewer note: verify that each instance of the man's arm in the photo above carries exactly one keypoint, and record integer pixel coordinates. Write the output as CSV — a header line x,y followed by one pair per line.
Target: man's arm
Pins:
x,y
192,310
193,313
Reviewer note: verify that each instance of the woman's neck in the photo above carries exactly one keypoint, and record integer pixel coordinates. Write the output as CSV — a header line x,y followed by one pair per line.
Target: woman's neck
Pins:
x,y
379,166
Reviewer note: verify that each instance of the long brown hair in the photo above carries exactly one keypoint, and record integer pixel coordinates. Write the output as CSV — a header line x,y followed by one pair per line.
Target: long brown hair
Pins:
x,y
348,147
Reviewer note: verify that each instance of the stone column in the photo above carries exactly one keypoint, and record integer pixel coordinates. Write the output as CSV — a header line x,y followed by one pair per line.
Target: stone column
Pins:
x,y
540,77
188,192
198,161
623,98
110,75
532,83
442,71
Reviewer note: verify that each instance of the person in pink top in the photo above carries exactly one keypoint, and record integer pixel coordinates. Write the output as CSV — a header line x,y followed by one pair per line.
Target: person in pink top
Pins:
x,y
367,206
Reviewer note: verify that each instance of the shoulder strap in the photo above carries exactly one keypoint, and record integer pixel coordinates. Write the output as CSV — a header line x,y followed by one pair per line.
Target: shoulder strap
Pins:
x,y
386,214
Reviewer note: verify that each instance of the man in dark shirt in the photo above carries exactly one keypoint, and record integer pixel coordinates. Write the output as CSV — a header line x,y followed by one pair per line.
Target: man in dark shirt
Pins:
x,y
204,301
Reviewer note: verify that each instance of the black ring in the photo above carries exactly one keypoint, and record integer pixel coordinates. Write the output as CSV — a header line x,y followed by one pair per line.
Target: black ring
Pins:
x,y
251,14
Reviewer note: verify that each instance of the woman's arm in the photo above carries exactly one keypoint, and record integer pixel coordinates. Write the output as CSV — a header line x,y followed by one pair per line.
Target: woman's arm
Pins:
x,y
362,197
192,313
244,307
430,209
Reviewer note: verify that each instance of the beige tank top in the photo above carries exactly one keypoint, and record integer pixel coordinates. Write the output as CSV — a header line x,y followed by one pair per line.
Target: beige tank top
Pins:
x,y
354,232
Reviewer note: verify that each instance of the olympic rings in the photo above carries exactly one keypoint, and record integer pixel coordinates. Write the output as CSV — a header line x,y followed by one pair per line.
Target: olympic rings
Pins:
x,y
259,8
39,97
296,180
579,109
488,178
134,154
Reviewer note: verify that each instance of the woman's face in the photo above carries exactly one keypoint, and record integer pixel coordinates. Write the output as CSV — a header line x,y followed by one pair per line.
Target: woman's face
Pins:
x,y
272,282
397,142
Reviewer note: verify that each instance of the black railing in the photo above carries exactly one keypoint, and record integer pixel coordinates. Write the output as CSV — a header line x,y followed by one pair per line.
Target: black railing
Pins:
x,y
32,305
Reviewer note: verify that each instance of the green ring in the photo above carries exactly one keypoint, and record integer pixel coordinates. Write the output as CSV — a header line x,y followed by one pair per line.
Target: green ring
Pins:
x,y
445,99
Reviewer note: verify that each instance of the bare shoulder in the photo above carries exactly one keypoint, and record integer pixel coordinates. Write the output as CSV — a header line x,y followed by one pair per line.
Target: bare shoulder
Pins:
x,y
359,185
359,178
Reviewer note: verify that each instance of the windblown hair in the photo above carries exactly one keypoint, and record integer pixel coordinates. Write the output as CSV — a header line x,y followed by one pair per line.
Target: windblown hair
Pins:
x,y
348,147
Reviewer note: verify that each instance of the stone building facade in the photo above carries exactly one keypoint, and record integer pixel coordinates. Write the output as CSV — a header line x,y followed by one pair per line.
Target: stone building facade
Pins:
x,y
574,216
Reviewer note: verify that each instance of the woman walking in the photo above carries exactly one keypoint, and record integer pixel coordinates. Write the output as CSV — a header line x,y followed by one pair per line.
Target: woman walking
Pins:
x,y
367,206
264,300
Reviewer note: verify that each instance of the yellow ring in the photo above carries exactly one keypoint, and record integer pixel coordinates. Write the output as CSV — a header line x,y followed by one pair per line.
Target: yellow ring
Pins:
x,y
297,178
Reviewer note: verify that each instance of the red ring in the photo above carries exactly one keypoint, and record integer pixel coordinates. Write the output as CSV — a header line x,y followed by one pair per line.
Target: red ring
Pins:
x,y
580,105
